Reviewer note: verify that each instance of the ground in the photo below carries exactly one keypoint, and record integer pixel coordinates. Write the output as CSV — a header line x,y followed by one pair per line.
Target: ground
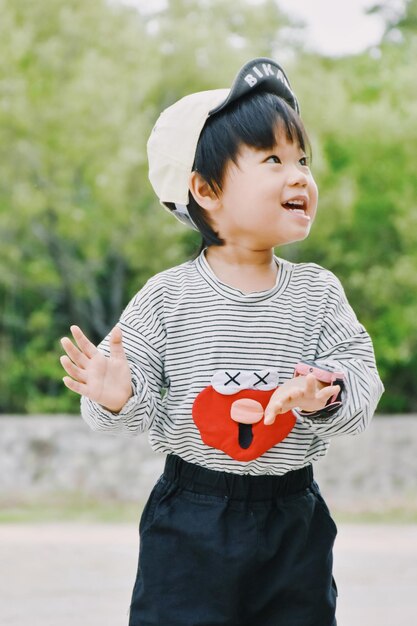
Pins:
x,y
63,574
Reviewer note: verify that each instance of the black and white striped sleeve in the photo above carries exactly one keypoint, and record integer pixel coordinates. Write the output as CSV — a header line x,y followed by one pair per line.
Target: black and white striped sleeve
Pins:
x,y
144,343
344,345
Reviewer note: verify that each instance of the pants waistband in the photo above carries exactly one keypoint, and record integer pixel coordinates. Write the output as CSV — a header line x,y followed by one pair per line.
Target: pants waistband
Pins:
x,y
235,486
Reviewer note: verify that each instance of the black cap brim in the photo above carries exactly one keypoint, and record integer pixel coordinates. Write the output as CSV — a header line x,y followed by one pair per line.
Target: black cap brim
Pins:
x,y
261,74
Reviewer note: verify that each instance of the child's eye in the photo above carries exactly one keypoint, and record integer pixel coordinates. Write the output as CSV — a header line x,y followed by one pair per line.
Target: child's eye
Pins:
x,y
305,161
274,158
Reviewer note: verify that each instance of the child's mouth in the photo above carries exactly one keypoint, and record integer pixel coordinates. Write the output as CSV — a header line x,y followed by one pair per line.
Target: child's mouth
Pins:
x,y
297,207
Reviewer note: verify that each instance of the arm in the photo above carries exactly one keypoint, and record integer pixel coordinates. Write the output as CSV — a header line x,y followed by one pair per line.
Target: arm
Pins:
x,y
143,349
345,345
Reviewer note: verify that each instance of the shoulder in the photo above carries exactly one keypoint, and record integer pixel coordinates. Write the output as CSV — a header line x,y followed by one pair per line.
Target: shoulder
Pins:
x,y
307,272
147,308
319,274
316,280
164,283
171,280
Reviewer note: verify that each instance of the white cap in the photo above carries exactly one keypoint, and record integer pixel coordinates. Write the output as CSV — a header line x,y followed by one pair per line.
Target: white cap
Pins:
x,y
173,141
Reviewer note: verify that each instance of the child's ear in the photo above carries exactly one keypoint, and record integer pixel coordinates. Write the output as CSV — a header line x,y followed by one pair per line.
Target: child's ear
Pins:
x,y
202,193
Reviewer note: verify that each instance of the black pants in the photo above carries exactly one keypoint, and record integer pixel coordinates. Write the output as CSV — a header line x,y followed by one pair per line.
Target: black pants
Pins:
x,y
218,549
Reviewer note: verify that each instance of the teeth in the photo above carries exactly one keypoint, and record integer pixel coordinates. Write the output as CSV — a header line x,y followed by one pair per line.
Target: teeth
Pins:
x,y
297,211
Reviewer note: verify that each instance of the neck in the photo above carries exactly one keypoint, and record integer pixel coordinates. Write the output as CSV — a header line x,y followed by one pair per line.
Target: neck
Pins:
x,y
248,270
240,257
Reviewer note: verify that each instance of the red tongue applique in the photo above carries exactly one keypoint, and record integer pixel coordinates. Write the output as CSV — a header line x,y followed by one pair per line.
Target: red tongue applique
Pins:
x,y
234,423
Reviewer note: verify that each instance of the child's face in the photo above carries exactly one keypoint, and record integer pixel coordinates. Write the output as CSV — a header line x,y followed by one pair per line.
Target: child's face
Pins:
x,y
253,209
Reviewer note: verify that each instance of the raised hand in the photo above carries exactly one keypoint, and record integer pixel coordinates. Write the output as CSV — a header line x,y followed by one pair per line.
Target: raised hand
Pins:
x,y
304,392
106,380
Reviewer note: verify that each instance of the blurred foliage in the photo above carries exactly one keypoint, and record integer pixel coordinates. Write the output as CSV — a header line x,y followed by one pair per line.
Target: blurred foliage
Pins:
x,y
81,84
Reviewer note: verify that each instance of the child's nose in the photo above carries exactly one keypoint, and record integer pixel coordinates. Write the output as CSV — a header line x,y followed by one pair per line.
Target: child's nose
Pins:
x,y
296,176
246,411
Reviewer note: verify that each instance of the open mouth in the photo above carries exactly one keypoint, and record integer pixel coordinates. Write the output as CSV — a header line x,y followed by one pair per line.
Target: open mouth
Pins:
x,y
298,207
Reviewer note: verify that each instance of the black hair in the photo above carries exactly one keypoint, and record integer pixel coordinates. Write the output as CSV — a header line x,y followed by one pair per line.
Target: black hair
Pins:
x,y
252,121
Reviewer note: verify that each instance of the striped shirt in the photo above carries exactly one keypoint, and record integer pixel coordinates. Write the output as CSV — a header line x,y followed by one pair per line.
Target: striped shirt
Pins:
x,y
185,325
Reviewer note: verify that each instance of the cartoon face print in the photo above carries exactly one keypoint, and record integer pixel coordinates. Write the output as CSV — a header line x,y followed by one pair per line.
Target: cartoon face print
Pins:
x,y
229,413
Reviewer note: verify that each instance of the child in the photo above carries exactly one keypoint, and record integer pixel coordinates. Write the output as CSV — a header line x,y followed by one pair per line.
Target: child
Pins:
x,y
240,364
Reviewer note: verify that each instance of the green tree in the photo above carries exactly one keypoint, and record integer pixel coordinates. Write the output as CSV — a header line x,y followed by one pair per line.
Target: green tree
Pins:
x,y
364,120
74,121
80,229
81,84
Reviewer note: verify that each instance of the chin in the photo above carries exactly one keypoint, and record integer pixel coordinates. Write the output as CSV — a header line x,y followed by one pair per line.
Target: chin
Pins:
x,y
290,240
304,236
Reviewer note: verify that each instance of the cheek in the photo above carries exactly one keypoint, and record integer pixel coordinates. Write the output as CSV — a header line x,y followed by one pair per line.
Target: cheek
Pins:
x,y
238,202
240,190
314,196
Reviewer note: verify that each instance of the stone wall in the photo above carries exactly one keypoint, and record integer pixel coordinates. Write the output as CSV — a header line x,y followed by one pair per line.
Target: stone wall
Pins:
x,y
60,454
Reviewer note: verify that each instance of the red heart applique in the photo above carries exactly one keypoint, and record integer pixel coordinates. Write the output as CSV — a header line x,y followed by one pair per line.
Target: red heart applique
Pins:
x,y
234,423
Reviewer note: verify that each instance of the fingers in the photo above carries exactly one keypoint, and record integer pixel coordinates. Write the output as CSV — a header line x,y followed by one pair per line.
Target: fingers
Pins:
x,y
74,353
285,403
116,345
269,418
74,371
85,345
286,399
76,360
79,388
326,393
83,352
310,382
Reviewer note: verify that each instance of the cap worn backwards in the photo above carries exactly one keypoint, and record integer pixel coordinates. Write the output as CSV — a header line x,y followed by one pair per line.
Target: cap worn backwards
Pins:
x,y
173,141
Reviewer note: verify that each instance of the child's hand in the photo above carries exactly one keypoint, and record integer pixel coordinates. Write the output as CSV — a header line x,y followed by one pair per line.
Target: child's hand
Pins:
x,y
303,392
106,380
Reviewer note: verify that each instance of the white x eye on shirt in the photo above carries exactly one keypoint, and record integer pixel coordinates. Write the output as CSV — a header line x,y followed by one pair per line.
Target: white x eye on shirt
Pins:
x,y
228,382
